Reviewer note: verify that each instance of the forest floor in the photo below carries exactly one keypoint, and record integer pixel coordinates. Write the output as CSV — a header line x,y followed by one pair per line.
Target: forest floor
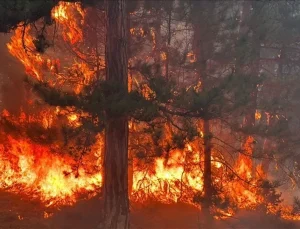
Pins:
x,y
18,213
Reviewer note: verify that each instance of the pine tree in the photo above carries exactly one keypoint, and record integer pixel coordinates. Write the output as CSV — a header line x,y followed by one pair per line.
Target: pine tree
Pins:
x,y
116,202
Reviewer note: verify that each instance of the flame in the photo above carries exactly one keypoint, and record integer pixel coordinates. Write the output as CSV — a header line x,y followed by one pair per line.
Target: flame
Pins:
x,y
163,55
47,215
257,115
137,32
168,180
191,57
62,13
41,172
73,117
189,147
215,162
153,36
19,47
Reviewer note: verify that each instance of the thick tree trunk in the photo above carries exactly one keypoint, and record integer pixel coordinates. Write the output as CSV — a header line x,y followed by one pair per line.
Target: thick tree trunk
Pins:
x,y
116,203
115,186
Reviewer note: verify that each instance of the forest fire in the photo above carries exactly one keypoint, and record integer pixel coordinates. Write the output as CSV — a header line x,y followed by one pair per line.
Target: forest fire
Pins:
x,y
56,178
37,172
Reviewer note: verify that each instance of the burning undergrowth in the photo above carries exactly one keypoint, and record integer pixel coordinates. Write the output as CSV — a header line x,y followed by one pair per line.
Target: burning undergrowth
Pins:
x,y
37,168
31,163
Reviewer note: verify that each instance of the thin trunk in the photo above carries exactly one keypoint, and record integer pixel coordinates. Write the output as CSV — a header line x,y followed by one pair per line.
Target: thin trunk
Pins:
x,y
116,202
157,42
207,181
266,161
267,147
253,70
202,52
168,42
207,164
130,164
130,84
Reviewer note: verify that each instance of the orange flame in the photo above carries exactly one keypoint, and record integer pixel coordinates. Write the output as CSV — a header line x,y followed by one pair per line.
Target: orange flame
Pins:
x,y
50,177
42,173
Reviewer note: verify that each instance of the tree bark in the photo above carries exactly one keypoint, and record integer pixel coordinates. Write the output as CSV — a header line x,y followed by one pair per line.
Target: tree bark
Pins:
x,y
249,120
157,41
130,84
170,6
207,181
115,185
202,49
207,165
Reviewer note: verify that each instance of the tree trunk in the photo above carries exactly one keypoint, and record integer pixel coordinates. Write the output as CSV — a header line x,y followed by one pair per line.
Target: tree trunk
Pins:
x,y
207,176
266,161
130,84
203,52
254,72
157,42
115,185
169,39
207,164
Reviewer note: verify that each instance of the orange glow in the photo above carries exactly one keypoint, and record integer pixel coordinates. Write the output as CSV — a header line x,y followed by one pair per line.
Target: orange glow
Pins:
x,y
30,61
137,32
60,12
164,181
42,172
153,35
47,215
191,57
73,117
163,56
257,115
64,13
216,163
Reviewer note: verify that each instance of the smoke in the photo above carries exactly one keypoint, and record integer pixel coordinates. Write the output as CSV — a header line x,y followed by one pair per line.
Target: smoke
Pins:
x,y
13,93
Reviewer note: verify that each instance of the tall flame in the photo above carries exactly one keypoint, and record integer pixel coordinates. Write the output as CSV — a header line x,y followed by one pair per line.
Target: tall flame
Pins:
x,y
34,169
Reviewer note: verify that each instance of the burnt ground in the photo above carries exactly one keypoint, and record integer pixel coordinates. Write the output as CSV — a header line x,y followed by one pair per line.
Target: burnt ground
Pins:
x,y
19,213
